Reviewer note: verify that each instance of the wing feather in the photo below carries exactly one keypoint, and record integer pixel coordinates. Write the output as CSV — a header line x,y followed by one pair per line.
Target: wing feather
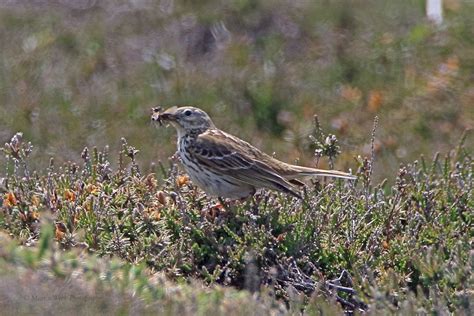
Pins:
x,y
235,158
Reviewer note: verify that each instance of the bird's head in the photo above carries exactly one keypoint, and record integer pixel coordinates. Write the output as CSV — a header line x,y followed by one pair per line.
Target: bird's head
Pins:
x,y
186,119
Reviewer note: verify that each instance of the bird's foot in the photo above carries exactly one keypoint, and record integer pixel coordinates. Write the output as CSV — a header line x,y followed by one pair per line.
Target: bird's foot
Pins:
x,y
224,208
227,206
213,211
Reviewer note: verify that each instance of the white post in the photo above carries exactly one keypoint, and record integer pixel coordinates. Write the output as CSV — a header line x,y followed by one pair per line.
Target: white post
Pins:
x,y
434,10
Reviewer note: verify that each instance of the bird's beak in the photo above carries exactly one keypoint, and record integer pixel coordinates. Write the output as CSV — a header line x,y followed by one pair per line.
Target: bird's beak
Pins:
x,y
168,116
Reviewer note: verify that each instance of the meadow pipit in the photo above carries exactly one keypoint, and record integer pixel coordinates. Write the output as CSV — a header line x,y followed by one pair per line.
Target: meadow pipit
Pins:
x,y
225,166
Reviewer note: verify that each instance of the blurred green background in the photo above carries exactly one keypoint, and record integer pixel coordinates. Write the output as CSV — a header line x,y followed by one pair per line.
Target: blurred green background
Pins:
x,y
86,73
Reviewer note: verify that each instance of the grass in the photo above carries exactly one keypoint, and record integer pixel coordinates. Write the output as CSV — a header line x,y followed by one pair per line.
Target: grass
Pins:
x,y
46,279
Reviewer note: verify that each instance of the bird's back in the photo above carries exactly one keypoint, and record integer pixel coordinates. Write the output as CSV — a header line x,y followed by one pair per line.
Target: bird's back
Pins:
x,y
286,170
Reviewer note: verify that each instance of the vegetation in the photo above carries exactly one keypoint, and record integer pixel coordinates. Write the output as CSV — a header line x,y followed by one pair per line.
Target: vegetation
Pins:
x,y
405,248
122,229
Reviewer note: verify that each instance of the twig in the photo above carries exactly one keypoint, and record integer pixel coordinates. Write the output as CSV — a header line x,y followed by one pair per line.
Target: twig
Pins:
x,y
293,276
372,148
341,288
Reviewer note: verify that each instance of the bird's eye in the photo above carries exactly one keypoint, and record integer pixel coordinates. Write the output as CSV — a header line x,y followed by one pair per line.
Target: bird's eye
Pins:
x,y
187,112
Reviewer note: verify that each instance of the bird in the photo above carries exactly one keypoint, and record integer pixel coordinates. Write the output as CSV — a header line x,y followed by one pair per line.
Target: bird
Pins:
x,y
225,166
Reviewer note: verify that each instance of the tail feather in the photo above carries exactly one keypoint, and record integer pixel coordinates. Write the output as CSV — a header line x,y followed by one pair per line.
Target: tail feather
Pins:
x,y
300,171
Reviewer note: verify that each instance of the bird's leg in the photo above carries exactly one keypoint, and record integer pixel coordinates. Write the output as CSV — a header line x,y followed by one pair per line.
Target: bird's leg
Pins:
x,y
227,206
214,210
221,200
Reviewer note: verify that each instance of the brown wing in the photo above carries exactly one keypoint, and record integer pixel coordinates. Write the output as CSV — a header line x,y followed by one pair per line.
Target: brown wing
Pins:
x,y
237,159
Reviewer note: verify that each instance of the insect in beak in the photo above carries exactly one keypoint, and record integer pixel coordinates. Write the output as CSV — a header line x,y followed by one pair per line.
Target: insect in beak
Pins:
x,y
160,116
157,115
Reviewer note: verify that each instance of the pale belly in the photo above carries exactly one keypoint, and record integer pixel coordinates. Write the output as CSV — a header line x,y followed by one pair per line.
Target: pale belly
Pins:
x,y
216,185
